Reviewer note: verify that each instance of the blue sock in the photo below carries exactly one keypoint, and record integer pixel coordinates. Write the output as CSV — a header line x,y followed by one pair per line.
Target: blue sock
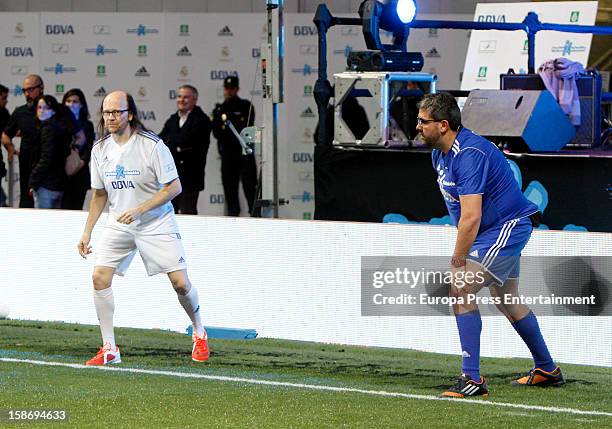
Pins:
x,y
470,326
529,330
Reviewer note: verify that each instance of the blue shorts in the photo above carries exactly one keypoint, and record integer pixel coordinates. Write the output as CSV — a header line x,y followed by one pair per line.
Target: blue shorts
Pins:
x,y
498,249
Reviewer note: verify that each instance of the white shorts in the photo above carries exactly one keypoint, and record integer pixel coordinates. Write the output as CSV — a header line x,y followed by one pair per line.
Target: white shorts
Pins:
x,y
162,253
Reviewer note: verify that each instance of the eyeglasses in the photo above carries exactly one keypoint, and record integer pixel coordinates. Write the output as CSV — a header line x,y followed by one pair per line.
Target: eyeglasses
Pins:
x,y
113,113
30,89
421,121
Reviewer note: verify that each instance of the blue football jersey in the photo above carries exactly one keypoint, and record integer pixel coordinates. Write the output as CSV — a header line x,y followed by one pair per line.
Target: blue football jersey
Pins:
x,y
474,165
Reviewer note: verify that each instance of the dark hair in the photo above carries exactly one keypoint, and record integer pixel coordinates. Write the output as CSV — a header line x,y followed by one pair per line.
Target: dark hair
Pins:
x,y
62,113
84,113
3,89
442,106
191,88
135,123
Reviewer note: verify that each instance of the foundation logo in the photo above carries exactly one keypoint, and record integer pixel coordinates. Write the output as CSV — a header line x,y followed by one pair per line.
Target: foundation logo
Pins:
x,y
59,68
121,173
304,197
142,30
568,49
305,71
345,51
101,50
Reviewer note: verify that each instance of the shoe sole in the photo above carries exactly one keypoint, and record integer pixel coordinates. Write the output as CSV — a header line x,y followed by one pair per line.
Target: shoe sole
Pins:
x,y
113,362
555,384
198,360
484,395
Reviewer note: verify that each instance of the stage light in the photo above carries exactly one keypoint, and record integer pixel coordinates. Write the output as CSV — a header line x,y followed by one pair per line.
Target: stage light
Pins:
x,y
395,17
406,10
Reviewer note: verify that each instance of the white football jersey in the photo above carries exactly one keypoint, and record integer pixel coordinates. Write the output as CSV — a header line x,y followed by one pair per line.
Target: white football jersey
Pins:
x,y
131,174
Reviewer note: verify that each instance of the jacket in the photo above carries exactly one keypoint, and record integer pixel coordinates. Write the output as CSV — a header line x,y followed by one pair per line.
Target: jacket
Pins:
x,y
49,160
189,146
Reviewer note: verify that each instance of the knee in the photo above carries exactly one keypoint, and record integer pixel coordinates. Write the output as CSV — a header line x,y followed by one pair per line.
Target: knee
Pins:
x,y
100,281
181,286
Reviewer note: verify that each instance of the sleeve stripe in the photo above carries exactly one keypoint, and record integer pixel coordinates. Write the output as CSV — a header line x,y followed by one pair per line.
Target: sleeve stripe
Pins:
x,y
101,140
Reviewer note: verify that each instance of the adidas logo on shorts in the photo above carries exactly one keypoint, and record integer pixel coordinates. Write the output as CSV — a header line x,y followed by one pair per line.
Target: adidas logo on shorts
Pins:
x,y
181,260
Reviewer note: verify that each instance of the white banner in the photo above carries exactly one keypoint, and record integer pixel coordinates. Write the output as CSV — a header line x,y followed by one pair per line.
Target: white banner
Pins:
x,y
287,279
493,52
151,54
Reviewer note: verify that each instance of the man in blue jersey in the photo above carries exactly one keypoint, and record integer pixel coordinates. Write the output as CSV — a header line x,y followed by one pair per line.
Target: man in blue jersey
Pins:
x,y
494,222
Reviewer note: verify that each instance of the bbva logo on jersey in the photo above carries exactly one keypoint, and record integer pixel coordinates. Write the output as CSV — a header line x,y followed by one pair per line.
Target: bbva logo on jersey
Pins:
x,y
123,184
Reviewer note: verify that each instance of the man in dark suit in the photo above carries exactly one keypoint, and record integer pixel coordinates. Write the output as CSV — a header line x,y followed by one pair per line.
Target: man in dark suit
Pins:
x,y
187,134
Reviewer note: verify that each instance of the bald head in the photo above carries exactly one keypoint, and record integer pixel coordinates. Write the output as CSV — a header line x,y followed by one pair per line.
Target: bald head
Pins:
x,y
116,100
33,87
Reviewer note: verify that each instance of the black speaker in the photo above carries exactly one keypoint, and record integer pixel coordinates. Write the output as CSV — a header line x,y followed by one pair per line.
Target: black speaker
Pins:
x,y
589,92
526,121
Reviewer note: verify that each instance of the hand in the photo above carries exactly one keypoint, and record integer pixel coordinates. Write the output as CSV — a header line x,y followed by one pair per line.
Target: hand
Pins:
x,y
458,261
129,216
83,246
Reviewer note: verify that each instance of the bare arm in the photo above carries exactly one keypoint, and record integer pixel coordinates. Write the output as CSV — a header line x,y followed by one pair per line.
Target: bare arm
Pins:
x,y
165,194
8,145
99,197
469,223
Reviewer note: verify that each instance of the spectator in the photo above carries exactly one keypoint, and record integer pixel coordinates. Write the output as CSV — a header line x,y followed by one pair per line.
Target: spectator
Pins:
x,y
23,121
234,165
4,117
187,135
78,184
48,176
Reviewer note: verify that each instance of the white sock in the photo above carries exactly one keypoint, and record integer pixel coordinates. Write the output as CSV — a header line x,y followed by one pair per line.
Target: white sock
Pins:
x,y
105,308
191,304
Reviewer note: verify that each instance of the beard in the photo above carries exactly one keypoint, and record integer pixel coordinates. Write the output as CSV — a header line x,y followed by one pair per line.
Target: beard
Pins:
x,y
430,141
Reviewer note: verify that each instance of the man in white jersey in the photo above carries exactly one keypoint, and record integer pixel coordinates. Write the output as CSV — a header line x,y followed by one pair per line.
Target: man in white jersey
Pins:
x,y
133,170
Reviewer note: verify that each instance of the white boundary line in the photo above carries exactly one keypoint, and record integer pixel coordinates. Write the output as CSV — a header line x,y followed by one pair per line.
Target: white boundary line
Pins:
x,y
309,386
